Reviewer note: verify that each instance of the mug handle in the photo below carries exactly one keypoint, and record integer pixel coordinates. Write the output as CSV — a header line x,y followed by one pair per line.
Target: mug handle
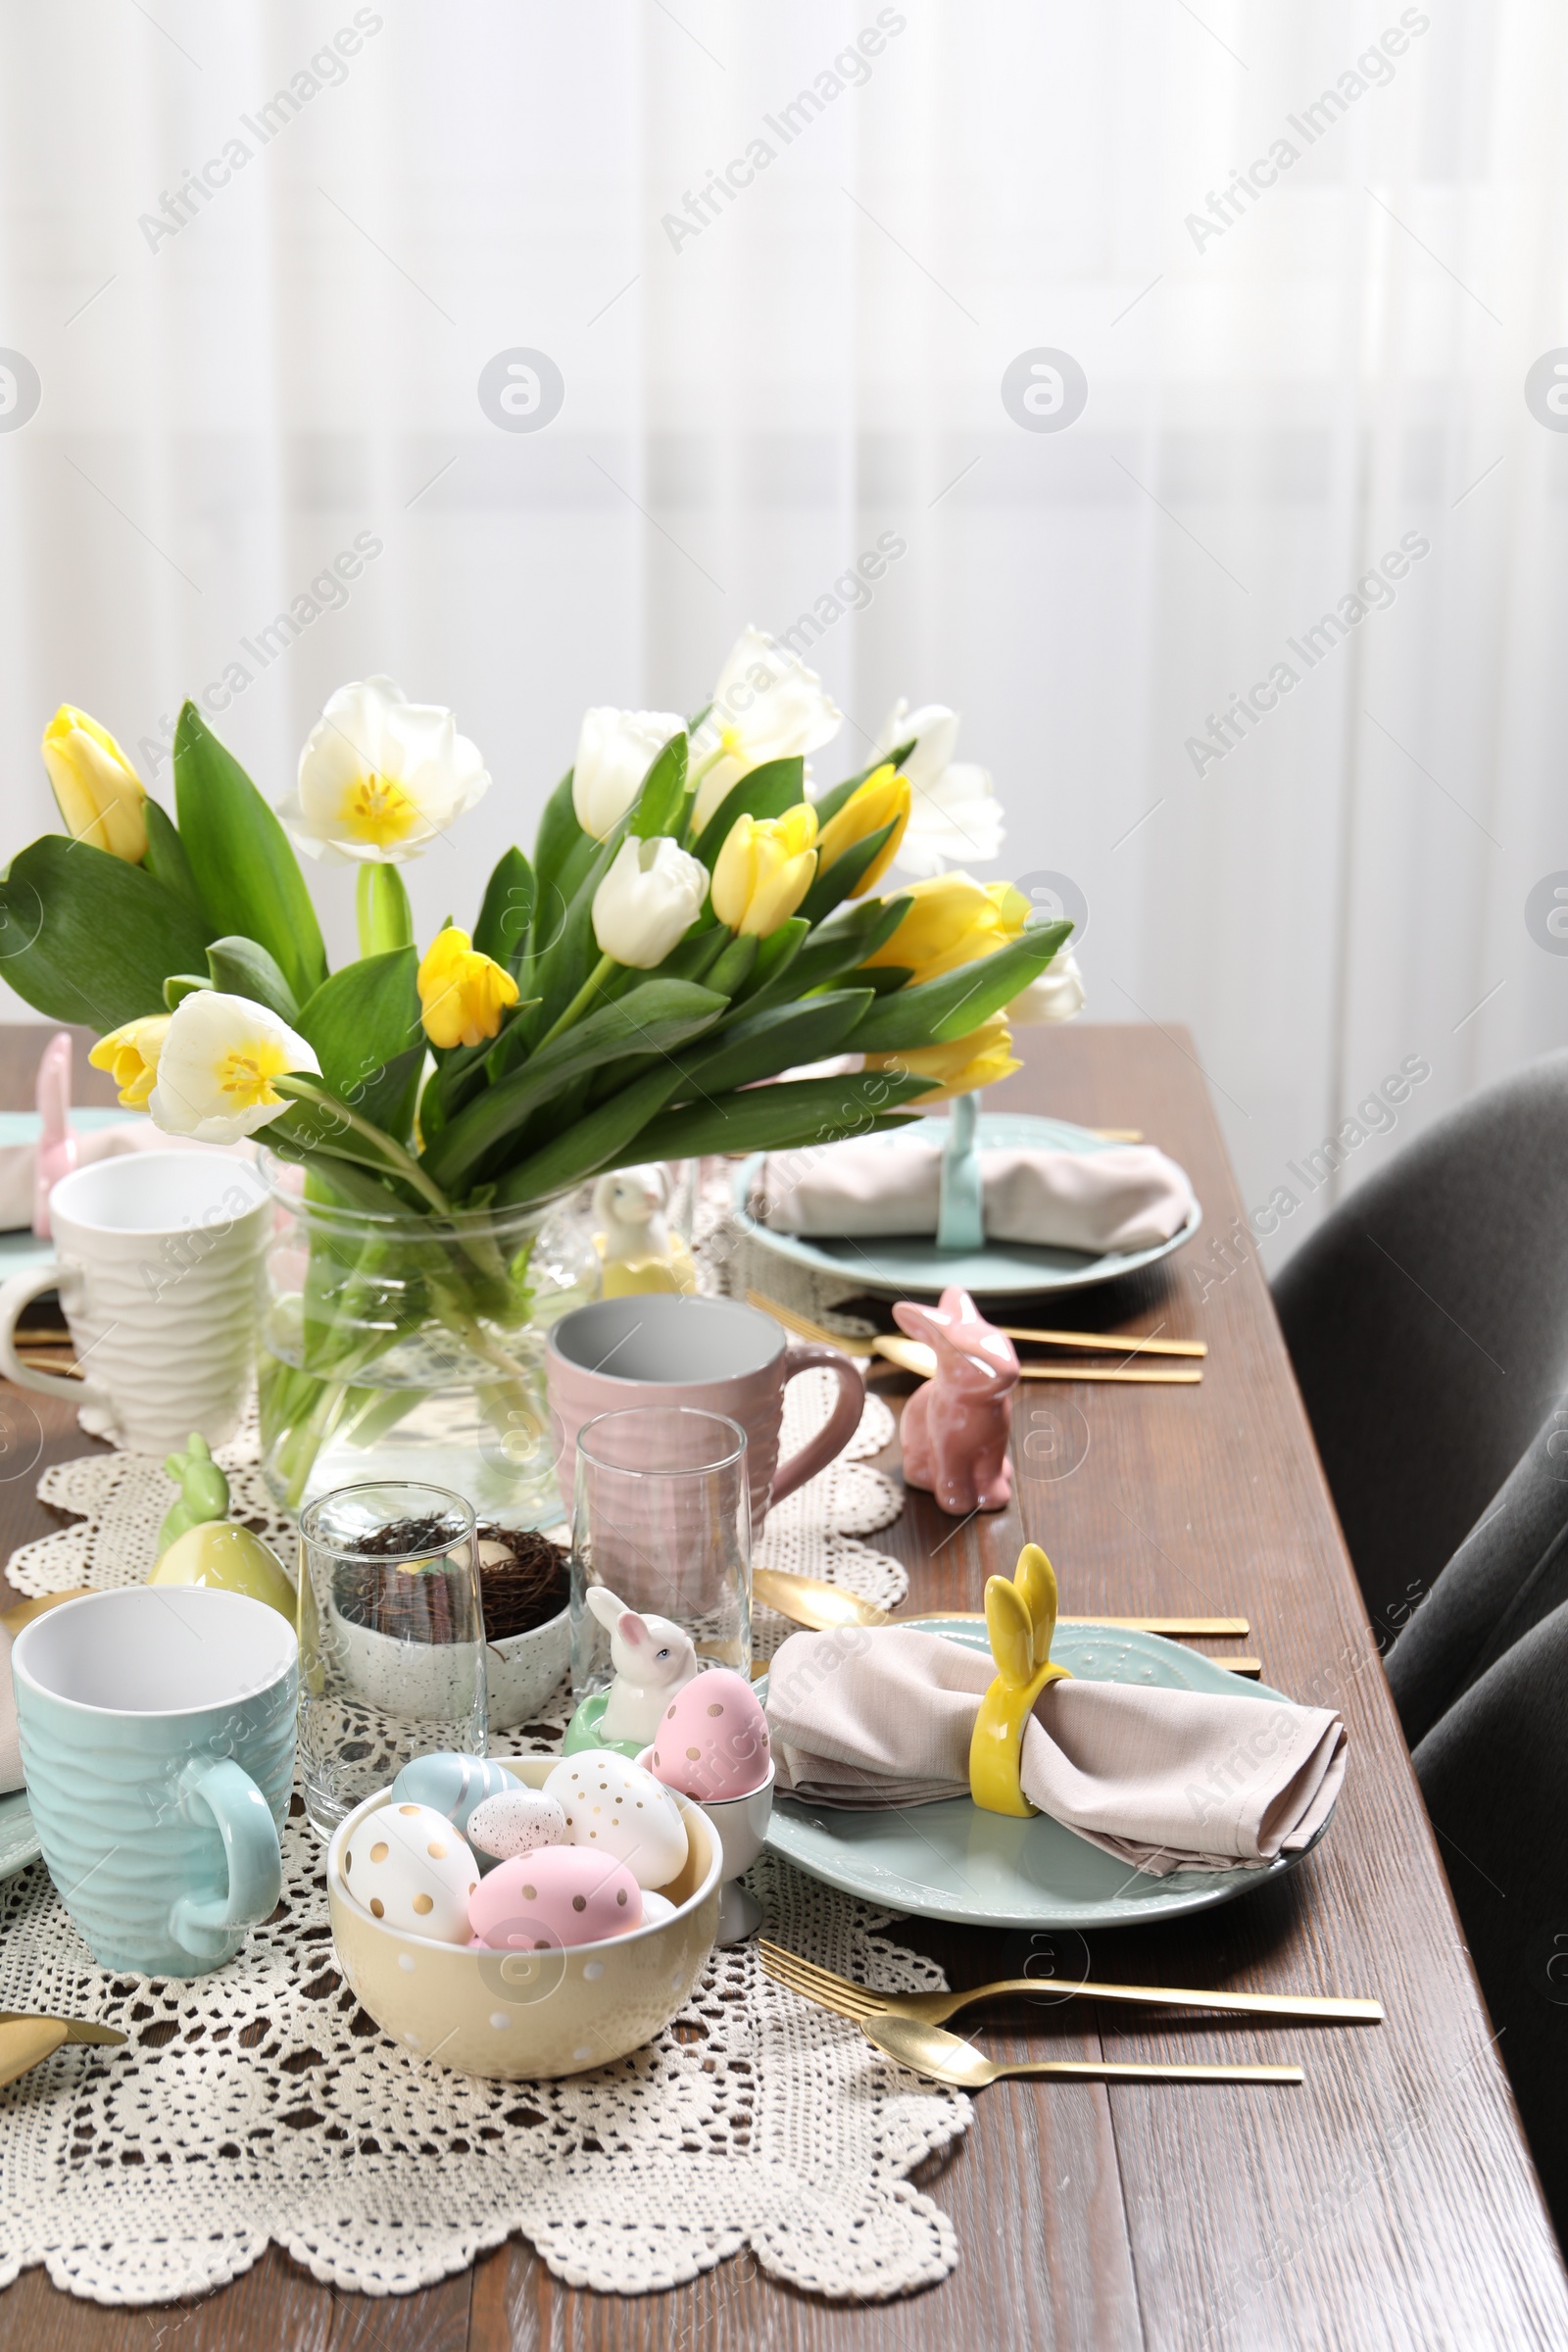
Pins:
x,y
829,1442
20,1291
206,1926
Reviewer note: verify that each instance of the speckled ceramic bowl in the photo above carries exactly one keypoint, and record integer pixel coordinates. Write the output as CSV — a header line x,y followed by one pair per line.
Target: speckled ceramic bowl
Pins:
x,y
523,2016
522,1671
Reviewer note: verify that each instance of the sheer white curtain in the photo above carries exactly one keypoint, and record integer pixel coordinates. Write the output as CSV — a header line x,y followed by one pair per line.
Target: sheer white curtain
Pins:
x,y
783,259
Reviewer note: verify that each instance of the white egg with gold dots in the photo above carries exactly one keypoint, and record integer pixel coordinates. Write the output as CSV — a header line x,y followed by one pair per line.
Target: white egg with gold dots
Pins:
x,y
407,1865
616,1807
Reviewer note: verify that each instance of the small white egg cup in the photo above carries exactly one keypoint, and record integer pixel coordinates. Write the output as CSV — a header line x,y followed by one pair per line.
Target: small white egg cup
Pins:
x,y
740,1824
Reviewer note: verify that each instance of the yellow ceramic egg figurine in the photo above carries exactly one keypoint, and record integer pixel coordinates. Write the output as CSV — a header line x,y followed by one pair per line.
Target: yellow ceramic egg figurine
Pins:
x,y
230,1558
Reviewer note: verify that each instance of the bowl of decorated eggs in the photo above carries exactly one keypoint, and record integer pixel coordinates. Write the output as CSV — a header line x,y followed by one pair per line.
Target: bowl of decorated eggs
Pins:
x,y
523,1917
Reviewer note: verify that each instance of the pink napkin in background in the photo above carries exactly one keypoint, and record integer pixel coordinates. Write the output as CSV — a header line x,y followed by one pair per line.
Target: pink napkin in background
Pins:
x,y
1127,1197
10,1753
867,1718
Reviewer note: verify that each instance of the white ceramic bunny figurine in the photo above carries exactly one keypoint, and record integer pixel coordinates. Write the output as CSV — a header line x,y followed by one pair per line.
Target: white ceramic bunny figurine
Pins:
x,y
955,1428
639,1251
653,1659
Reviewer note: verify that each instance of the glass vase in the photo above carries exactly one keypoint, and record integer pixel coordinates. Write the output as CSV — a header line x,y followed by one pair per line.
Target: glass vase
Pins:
x,y
398,1346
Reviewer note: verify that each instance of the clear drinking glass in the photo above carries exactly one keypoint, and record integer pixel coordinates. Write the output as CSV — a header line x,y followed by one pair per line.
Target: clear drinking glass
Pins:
x,y
391,1639
662,1515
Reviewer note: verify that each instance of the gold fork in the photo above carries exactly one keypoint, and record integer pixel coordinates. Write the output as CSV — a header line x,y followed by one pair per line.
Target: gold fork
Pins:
x,y
857,2002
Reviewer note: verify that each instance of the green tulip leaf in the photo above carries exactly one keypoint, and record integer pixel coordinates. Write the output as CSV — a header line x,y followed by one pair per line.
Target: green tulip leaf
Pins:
x,y
935,1012
382,905
502,930
364,1025
601,1139
732,969
240,968
166,859
780,1119
761,1043
243,861
842,876
662,791
775,953
177,985
766,791
558,835
86,937
654,1018
834,948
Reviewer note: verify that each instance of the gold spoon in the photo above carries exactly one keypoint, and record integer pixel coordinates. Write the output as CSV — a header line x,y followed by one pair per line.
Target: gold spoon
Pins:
x,y
24,2042
944,2058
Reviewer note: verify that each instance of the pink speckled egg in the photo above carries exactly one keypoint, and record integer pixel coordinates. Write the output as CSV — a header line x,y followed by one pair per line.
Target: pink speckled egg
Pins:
x,y
549,1900
712,1740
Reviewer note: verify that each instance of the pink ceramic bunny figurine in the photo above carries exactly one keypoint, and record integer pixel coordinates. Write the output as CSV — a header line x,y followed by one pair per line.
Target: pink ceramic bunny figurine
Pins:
x,y
57,1153
955,1427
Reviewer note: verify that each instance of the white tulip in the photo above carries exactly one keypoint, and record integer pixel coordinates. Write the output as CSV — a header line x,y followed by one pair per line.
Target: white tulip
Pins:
x,y
217,1065
955,813
766,706
380,777
615,748
1054,995
650,896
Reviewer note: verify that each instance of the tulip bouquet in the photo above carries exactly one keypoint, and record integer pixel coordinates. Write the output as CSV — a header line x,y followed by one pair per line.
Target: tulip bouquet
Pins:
x,y
691,924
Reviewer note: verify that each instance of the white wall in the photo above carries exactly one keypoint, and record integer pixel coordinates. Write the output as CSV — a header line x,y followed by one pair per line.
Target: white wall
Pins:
x,y
1269,411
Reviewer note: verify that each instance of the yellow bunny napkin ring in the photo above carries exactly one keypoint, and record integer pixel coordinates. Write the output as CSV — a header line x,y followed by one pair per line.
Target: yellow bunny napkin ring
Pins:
x,y
1021,1620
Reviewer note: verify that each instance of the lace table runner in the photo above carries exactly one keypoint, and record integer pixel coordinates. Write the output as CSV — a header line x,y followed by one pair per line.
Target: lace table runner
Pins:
x,y
261,2103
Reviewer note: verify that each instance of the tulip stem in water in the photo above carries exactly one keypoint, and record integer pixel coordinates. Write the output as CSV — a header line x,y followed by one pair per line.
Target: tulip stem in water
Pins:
x,y
580,1002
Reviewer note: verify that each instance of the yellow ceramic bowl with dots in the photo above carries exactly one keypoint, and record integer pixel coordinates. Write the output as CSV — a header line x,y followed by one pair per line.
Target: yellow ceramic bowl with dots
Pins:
x,y
526,2016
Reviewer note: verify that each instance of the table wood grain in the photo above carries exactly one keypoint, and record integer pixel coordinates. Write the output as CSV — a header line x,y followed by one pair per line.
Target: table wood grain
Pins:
x,y
1387,2202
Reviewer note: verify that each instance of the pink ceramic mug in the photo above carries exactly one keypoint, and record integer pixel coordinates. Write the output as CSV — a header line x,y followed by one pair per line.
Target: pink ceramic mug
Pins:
x,y
709,1353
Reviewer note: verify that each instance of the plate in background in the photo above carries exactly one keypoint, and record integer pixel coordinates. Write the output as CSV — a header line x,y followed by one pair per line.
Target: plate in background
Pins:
x,y
906,1263
18,1839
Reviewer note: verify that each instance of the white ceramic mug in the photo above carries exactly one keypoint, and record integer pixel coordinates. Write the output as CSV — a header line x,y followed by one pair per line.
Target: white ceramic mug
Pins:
x,y
158,1267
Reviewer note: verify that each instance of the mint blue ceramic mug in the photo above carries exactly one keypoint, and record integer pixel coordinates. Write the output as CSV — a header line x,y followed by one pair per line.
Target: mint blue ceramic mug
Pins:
x,y
157,1728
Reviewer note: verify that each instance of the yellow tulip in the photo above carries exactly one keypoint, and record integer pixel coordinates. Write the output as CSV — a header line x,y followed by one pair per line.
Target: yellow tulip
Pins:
x,y
953,919
99,792
764,869
464,993
129,1053
978,1060
882,800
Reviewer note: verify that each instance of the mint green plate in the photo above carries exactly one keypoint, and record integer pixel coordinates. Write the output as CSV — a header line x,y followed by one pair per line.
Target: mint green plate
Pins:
x,y
952,1861
18,1839
906,1264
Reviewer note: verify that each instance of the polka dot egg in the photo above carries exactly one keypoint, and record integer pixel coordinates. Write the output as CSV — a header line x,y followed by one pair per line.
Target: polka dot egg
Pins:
x,y
712,1740
516,1822
613,1806
407,1865
549,1900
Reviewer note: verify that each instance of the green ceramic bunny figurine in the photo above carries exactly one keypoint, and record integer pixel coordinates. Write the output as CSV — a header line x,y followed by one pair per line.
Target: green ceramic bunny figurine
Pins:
x,y
204,1490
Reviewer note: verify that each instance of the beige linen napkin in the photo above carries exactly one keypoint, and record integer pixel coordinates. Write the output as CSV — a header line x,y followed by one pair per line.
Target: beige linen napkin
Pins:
x,y
1128,1197
1164,1779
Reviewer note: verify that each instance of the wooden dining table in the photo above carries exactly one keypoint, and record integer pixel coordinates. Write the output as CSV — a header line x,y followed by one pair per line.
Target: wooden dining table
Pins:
x,y
1388,2201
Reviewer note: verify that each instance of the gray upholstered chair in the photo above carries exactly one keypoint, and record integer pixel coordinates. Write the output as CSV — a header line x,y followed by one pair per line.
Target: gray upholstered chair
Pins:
x,y
1426,1319
1479,1676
